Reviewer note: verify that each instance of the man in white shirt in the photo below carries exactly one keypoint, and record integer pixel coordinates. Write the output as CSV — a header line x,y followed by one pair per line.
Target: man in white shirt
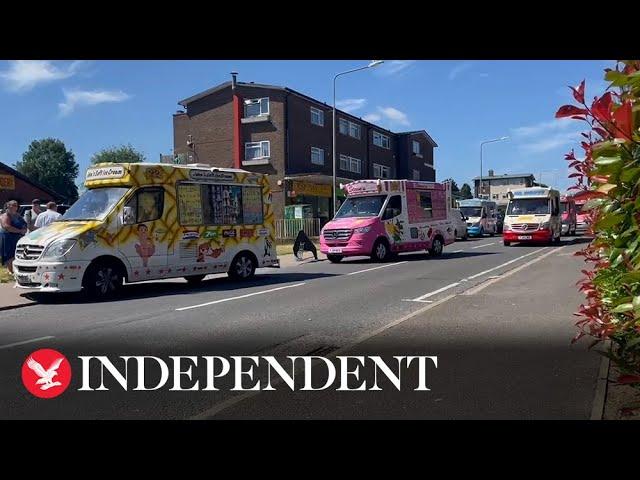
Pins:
x,y
45,218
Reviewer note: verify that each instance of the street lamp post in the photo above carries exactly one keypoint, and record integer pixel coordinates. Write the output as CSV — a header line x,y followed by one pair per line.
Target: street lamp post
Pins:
x,y
373,63
481,145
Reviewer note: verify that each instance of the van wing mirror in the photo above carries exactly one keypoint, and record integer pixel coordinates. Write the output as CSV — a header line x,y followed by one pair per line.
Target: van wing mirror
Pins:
x,y
128,217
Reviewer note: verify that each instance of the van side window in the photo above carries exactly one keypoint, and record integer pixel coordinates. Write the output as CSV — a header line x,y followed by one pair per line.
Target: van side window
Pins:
x,y
425,204
148,204
394,207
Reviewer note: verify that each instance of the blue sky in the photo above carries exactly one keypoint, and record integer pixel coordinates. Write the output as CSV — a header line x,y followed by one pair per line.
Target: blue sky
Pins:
x,y
95,104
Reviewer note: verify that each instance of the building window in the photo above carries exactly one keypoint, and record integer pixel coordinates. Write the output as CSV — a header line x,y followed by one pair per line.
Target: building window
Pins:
x,y
344,127
495,196
350,164
256,150
344,163
416,174
381,140
349,128
381,171
317,156
256,107
354,130
355,164
416,148
317,117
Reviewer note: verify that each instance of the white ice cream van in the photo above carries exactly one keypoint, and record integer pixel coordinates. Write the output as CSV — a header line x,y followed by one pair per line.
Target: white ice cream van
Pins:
x,y
145,221
533,215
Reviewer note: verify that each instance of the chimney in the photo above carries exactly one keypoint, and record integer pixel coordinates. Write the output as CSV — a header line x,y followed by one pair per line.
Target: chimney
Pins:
x,y
234,80
491,173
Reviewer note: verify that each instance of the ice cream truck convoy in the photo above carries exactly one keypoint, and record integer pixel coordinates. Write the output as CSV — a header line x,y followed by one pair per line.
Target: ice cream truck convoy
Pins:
x,y
138,222
380,218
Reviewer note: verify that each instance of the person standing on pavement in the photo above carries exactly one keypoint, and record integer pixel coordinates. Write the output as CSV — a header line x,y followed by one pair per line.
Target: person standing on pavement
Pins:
x,y
31,215
12,227
45,218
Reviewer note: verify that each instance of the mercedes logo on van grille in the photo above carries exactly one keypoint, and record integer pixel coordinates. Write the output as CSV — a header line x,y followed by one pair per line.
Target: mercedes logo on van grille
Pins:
x,y
25,253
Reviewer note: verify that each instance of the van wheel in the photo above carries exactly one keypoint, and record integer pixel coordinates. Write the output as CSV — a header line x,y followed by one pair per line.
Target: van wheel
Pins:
x,y
102,280
466,236
381,251
493,232
436,247
194,279
335,258
506,243
242,267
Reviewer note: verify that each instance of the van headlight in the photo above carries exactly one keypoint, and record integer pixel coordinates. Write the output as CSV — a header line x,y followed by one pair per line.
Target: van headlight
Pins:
x,y
544,225
362,230
58,249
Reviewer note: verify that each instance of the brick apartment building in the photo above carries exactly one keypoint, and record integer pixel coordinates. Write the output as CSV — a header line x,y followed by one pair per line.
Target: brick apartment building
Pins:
x,y
276,130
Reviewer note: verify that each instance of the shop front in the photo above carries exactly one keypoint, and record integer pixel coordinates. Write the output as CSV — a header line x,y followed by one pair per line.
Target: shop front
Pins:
x,y
314,196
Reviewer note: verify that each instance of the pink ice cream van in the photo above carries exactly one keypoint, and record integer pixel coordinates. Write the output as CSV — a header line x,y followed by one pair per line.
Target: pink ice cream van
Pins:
x,y
381,218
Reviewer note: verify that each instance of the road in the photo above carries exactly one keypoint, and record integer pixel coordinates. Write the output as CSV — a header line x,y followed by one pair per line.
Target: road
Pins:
x,y
316,308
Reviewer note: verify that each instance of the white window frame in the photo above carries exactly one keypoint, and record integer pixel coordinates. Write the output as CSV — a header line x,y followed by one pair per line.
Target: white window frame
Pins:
x,y
319,113
358,165
354,126
345,122
318,151
379,140
254,101
261,145
381,171
413,148
344,162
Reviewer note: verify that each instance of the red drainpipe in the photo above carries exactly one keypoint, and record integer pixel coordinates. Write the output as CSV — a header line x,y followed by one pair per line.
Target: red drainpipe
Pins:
x,y
237,130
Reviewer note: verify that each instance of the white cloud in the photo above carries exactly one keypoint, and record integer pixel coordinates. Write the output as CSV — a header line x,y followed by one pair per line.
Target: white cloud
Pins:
x,y
551,142
544,127
458,69
351,104
394,115
81,98
372,117
395,66
23,75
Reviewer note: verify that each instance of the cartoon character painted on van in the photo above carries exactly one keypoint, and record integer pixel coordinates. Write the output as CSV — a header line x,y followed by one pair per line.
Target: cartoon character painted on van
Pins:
x,y
148,221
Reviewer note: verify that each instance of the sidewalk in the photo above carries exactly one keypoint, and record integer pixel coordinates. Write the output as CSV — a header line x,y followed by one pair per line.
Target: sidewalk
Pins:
x,y
11,297
504,352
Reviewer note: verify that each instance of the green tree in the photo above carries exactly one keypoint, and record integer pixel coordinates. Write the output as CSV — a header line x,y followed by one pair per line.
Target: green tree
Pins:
x,y
49,162
465,191
454,185
121,154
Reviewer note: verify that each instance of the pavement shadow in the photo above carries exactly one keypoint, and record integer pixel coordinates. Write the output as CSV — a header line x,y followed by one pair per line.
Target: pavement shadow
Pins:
x,y
165,288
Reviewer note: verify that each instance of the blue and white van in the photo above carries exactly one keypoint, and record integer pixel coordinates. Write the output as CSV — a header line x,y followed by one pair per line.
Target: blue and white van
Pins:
x,y
481,216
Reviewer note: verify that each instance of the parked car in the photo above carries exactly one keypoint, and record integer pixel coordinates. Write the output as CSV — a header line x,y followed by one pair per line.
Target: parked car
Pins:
x,y
460,224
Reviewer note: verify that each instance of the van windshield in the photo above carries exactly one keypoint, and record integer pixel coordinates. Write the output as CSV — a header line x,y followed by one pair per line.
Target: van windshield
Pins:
x,y
361,206
94,204
530,206
471,211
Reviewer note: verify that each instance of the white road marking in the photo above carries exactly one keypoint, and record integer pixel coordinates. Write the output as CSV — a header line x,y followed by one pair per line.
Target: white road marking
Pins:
x,y
420,301
376,268
240,296
435,292
497,278
503,264
457,251
484,245
9,345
